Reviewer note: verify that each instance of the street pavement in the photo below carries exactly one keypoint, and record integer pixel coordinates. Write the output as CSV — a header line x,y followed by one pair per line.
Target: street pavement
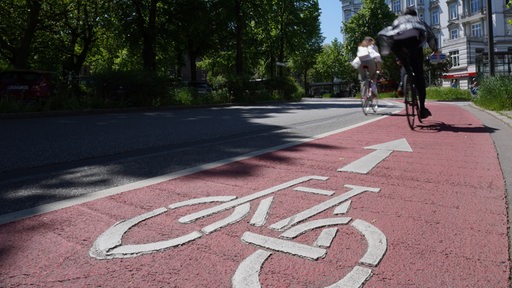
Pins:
x,y
374,205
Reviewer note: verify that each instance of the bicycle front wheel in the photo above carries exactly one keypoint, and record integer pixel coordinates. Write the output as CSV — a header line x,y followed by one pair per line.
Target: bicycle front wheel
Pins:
x,y
409,101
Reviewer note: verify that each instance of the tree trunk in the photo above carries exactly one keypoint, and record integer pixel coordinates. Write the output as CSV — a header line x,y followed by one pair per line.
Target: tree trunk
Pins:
x,y
22,52
239,61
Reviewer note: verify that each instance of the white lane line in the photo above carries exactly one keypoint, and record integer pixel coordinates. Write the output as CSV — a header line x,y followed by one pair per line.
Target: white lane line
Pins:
x,y
46,208
377,243
248,272
237,215
314,191
285,246
354,279
260,216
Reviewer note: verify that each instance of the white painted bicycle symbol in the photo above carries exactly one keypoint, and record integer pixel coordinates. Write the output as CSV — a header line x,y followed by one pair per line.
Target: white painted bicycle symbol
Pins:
x,y
109,244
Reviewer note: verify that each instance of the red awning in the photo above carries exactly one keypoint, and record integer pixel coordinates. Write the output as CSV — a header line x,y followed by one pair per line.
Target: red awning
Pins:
x,y
459,75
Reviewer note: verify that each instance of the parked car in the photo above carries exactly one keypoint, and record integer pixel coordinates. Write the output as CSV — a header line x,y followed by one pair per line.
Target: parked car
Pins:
x,y
26,84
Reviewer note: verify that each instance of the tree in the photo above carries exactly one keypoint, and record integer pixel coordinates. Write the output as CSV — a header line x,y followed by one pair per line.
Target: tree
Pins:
x,y
373,17
332,63
19,22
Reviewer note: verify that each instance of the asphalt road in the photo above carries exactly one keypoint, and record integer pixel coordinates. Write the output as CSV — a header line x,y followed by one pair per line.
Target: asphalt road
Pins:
x,y
47,159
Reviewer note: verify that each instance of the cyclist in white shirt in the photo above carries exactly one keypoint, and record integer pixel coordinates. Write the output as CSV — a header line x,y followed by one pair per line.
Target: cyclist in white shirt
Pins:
x,y
368,58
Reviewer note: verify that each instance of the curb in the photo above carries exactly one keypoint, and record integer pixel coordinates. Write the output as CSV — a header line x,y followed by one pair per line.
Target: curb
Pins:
x,y
500,116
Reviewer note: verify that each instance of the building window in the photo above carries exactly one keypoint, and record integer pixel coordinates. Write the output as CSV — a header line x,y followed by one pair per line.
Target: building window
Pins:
x,y
410,3
475,6
397,8
509,26
435,17
476,30
454,56
453,11
421,16
420,2
454,33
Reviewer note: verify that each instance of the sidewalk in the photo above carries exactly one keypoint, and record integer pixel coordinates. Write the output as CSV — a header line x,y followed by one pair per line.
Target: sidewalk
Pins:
x,y
437,206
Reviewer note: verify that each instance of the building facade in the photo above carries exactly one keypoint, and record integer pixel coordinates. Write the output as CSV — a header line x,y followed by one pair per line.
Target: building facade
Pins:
x,y
461,28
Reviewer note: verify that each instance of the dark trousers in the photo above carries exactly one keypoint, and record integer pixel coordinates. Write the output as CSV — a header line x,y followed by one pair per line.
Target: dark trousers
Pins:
x,y
410,53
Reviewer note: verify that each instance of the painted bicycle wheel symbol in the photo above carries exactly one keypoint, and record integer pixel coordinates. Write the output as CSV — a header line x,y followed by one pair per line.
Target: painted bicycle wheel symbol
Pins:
x,y
109,244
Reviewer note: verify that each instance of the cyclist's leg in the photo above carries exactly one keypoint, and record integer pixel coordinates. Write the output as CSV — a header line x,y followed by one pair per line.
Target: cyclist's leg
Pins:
x,y
417,67
363,78
372,75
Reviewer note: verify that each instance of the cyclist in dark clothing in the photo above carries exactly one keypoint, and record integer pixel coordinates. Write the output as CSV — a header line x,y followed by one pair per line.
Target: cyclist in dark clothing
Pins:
x,y
405,38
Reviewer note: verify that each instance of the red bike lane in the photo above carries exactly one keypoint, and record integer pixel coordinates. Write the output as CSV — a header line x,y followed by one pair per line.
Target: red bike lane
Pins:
x,y
429,211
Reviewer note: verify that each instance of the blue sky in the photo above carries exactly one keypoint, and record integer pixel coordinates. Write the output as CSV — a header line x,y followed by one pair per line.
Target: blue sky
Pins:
x,y
330,19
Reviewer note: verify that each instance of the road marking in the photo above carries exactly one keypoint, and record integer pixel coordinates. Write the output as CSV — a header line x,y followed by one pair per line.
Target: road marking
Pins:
x,y
260,216
354,279
290,247
377,243
356,190
237,215
109,244
343,208
325,238
308,226
314,191
248,272
382,151
213,210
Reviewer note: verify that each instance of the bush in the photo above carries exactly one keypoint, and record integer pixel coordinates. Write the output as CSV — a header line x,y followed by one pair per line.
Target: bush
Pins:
x,y
132,88
448,94
495,93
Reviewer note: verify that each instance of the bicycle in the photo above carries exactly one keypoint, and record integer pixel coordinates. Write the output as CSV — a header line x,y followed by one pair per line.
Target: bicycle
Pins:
x,y
369,100
411,101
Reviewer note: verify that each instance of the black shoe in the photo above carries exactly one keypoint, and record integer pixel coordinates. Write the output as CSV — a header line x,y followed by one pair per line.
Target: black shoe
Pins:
x,y
424,113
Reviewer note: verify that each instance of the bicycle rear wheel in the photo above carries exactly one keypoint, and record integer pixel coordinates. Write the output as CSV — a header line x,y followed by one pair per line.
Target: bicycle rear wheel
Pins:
x,y
409,101
366,101
375,104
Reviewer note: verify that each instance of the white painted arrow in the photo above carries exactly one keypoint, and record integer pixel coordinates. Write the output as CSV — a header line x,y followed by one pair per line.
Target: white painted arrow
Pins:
x,y
382,151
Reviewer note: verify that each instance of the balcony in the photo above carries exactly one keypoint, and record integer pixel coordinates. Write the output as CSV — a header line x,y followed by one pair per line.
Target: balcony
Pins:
x,y
468,16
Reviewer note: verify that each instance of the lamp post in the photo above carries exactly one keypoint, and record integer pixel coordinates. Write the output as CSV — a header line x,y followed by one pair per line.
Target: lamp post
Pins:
x,y
490,37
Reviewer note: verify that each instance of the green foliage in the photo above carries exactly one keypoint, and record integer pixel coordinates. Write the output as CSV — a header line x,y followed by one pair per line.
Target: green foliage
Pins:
x,y
114,39
332,63
448,94
373,17
183,96
495,93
